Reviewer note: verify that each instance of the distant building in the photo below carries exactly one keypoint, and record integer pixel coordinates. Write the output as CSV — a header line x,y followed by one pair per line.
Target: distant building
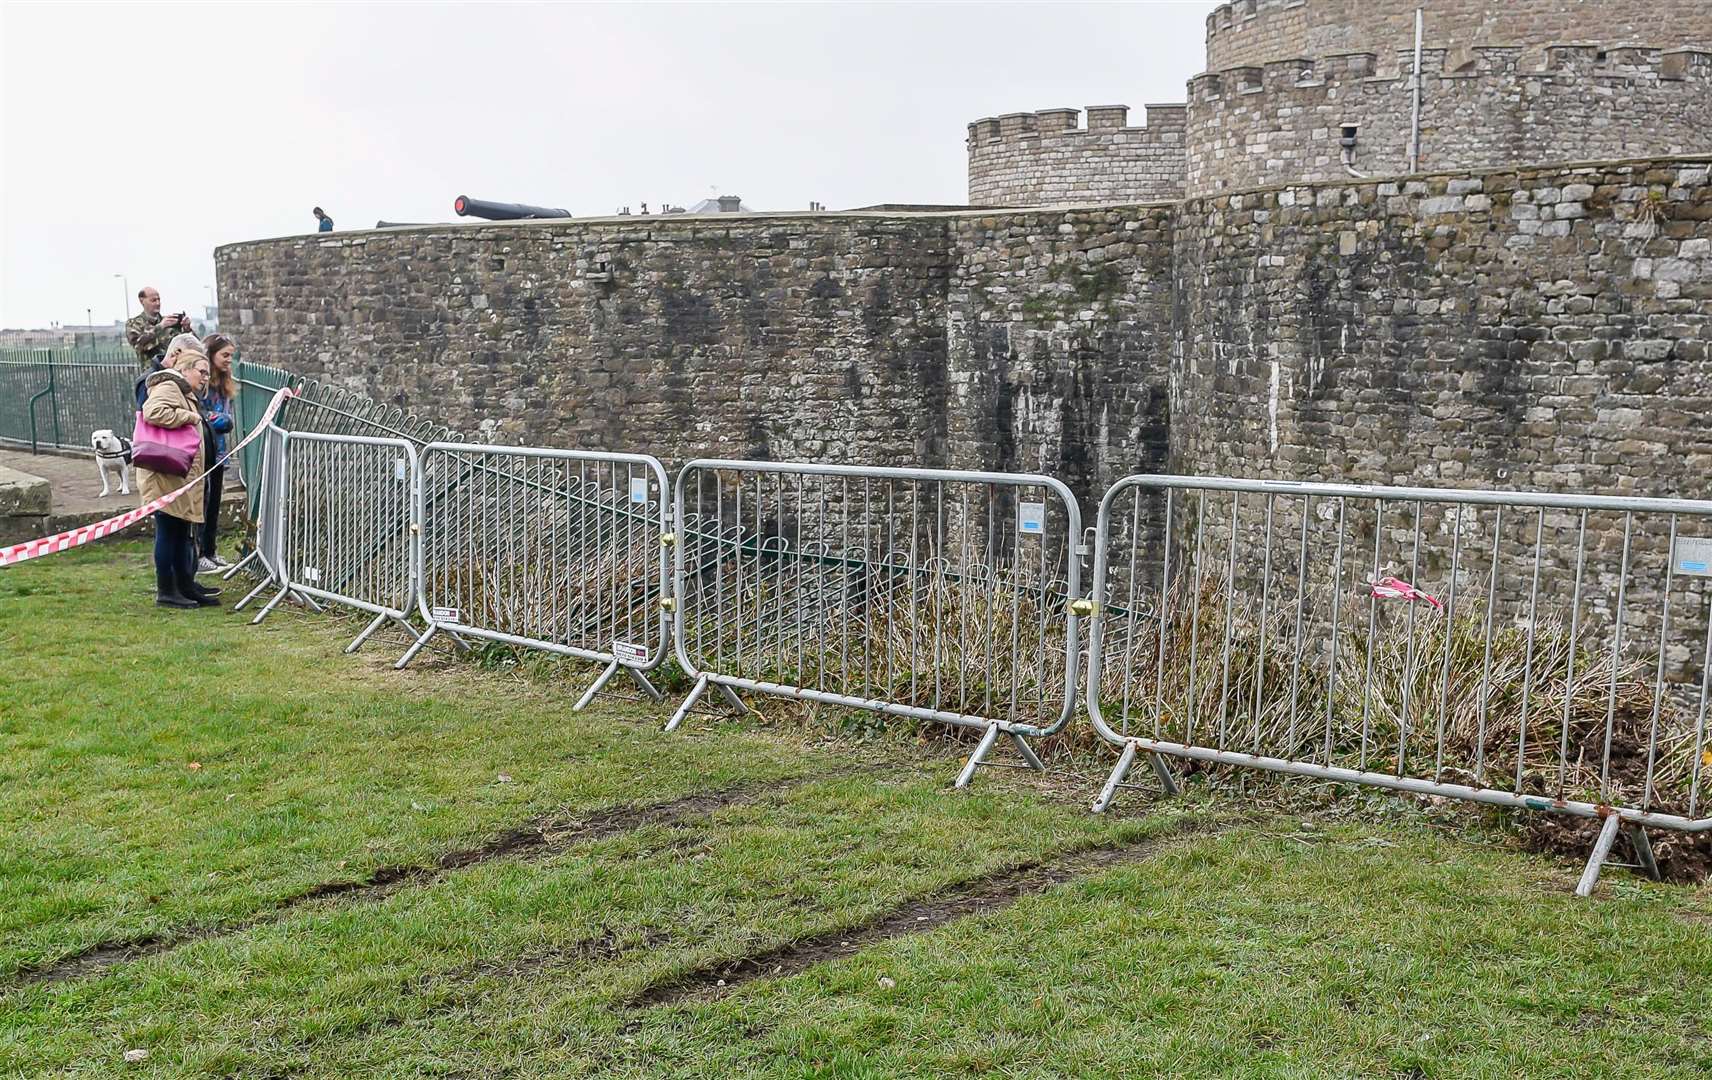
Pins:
x,y
721,204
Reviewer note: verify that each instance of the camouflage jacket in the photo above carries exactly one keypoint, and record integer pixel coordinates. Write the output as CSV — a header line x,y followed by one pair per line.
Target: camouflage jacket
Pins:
x,y
149,337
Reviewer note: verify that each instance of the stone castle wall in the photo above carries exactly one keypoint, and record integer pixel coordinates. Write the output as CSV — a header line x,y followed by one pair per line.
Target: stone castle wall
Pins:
x,y
1047,158
1513,328
1545,328
773,337
1250,126
1249,32
1035,341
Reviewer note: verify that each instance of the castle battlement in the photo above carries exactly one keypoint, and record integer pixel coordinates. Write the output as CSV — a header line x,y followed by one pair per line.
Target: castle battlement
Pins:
x,y
1162,122
1284,119
1243,32
1050,156
1500,84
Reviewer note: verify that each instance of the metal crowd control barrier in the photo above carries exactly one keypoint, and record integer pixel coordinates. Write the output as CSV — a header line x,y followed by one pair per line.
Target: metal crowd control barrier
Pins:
x,y
1536,651
558,550
346,529
933,594
268,507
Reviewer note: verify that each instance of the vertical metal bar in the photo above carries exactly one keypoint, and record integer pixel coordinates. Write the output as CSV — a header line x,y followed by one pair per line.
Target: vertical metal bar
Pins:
x,y
1409,649
1658,676
1486,663
1528,656
1230,612
1337,607
1616,661
1131,619
1265,599
1700,721
1289,748
1189,701
1165,606
1569,673
1372,626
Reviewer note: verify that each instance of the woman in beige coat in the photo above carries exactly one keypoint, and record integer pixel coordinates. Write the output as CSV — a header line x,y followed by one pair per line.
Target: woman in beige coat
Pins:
x,y
171,403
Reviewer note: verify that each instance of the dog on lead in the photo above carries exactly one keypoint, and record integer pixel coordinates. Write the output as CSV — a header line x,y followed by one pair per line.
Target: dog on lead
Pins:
x,y
112,456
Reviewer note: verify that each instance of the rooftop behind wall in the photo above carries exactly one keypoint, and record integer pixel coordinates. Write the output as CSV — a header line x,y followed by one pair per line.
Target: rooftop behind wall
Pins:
x,y
1047,157
1245,32
1280,122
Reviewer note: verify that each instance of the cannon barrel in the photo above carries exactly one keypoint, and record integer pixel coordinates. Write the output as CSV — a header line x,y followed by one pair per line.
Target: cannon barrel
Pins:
x,y
503,211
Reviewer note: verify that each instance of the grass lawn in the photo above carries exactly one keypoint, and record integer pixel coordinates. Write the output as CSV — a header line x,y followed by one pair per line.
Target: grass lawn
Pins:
x,y
248,855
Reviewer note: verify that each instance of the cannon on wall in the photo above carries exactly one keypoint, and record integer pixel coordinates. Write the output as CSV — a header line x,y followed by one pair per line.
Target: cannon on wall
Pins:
x,y
500,211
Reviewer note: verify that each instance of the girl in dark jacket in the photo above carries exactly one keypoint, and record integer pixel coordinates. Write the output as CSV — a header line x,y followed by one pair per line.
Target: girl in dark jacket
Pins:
x,y
217,403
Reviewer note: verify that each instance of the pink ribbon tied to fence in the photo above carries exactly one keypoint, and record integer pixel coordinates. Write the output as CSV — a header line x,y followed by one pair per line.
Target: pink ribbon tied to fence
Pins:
x,y
1392,588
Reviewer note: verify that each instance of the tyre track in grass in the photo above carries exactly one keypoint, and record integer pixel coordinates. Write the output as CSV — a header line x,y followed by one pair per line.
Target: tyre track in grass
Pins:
x,y
538,838
973,896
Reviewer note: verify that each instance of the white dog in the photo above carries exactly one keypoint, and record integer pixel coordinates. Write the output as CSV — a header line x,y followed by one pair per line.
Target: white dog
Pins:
x,y
112,455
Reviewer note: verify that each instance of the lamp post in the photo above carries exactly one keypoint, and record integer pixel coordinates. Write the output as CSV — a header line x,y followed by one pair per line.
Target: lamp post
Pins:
x,y
89,317
127,282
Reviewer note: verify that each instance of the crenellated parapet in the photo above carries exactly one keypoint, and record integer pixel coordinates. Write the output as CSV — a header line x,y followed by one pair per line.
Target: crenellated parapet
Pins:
x,y
1243,32
1051,156
1290,119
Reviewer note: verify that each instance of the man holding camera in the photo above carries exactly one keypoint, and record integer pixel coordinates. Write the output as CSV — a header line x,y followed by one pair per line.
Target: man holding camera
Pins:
x,y
148,333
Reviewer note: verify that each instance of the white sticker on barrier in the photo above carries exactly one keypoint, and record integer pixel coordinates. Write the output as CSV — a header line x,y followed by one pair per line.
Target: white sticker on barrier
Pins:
x,y
311,574
1031,518
444,614
398,469
638,489
1693,556
630,653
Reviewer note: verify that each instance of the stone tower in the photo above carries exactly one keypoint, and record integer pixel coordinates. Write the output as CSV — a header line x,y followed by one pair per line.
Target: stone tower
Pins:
x,y
1324,89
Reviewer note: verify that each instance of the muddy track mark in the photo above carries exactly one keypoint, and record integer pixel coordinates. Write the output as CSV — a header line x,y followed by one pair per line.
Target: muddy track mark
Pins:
x,y
973,896
538,838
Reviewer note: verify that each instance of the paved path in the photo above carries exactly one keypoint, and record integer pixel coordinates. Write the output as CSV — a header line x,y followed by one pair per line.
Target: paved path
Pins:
x,y
77,488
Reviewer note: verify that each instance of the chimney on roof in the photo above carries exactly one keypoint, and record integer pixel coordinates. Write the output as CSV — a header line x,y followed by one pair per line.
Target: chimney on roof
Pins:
x,y
730,204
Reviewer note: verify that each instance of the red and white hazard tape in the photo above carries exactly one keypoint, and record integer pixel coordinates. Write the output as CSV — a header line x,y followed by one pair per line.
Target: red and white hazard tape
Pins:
x,y
83,534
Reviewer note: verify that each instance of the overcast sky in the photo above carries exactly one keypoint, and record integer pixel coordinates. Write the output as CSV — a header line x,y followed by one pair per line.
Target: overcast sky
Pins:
x,y
137,137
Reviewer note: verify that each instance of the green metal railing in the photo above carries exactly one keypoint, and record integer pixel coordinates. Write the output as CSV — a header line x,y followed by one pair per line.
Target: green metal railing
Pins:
x,y
55,397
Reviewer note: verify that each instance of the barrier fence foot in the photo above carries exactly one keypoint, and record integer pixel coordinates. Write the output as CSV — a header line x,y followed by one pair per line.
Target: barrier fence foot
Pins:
x,y
967,776
1163,771
1121,770
232,571
733,700
462,645
252,594
410,653
368,631
1028,753
271,604
596,687
1644,852
696,692
1596,861
647,687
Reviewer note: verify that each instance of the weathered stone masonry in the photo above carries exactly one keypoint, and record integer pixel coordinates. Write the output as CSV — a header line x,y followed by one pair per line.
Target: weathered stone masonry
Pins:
x,y
1509,83
1430,328
1253,125
1032,340
1255,31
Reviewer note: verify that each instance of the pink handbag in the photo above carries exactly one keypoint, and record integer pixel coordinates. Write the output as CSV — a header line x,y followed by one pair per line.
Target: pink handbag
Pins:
x,y
165,450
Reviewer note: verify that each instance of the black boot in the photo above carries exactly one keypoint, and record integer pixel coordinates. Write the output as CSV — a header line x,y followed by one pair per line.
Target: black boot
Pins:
x,y
167,593
204,601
